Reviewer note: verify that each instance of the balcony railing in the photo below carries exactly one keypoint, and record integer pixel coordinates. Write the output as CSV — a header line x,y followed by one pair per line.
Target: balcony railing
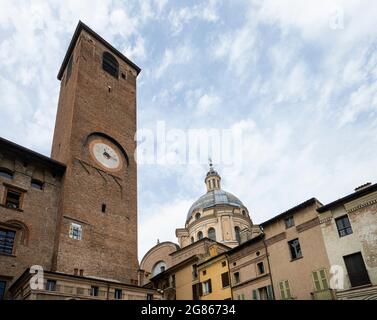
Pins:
x,y
323,295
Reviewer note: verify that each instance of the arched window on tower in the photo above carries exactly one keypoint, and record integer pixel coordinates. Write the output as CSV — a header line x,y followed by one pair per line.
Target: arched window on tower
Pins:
x,y
200,235
212,234
110,64
197,215
238,234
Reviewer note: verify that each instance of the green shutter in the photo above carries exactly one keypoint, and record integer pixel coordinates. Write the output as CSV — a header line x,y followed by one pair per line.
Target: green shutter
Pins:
x,y
287,289
317,283
270,293
255,295
324,279
282,292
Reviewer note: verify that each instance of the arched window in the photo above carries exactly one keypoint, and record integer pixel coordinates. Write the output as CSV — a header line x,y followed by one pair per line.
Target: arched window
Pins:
x,y
6,173
212,234
110,64
244,213
200,235
238,235
158,268
192,240
197,215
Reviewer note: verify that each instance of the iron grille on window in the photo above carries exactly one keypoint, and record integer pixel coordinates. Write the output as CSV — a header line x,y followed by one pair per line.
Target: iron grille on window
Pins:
x,y
344,226
7,241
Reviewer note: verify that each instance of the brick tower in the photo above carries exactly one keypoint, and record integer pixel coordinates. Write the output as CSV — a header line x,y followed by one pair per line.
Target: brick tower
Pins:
x,y
94,136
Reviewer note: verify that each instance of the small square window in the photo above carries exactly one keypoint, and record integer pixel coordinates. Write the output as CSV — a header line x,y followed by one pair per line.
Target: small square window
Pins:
x,y
75,231
204,272
344,226
13,198
289,222
223,264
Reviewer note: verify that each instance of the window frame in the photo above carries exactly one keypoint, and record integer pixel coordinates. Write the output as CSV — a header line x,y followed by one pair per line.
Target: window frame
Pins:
x,y
94,291
348,228
13,243
21,192
319,279
116,294
213,231
225,278
6,173
207,287
285,290
261,270
237,277
36,182
4,286
110,64
291,247
73,228
289,222
50,285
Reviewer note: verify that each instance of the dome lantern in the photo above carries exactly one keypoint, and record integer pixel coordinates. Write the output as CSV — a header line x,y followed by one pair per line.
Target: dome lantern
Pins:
x,y
212,179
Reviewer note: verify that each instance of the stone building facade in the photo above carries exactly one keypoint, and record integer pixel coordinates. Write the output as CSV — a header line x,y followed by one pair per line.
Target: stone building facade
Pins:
x,y
75,214
349,228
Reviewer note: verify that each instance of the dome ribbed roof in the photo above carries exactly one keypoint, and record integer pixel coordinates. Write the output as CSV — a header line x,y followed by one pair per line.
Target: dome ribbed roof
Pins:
x,y
212,198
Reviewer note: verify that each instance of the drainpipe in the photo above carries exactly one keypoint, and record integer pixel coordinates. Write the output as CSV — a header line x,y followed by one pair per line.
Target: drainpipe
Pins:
x,y
269,268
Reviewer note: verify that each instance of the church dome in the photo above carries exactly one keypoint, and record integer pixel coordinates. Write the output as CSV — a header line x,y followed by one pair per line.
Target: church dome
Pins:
x,y
213,198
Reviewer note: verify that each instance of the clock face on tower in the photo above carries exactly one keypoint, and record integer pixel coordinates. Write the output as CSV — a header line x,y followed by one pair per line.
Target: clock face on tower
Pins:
x,y
106,155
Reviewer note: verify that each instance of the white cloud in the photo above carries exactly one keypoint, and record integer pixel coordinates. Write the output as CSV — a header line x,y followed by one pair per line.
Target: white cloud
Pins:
x,y
207,103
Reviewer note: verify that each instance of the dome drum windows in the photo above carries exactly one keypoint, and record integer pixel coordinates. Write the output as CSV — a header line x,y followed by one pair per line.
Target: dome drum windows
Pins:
x,y
110,64
200,235
212,234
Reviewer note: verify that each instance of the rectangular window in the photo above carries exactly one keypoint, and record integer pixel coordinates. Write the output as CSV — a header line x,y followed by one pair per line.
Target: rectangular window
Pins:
x,y
320,280
94,291
75,231
344,226
51,285
207,287
196,291
7,241
149,296
204,272
285,291
295,248
13,198
225,279
260,267
194,271
237,278
356,269
3,285
241,296
289,222
118,294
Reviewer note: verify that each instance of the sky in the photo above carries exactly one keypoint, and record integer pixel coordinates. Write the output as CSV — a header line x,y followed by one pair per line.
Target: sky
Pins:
x,y
297,78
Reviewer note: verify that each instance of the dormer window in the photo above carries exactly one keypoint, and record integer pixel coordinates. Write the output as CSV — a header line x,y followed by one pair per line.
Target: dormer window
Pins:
x,y
110,64
6,173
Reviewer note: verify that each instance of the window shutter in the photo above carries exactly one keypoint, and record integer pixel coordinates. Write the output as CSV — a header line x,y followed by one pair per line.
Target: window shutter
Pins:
x,y
209,286
225,279
282,292
317,284
255,295
287,289
270,293
200,285
322,273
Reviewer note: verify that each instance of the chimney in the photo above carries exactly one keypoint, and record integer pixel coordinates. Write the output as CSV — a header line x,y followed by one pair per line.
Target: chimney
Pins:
x,y
363,186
